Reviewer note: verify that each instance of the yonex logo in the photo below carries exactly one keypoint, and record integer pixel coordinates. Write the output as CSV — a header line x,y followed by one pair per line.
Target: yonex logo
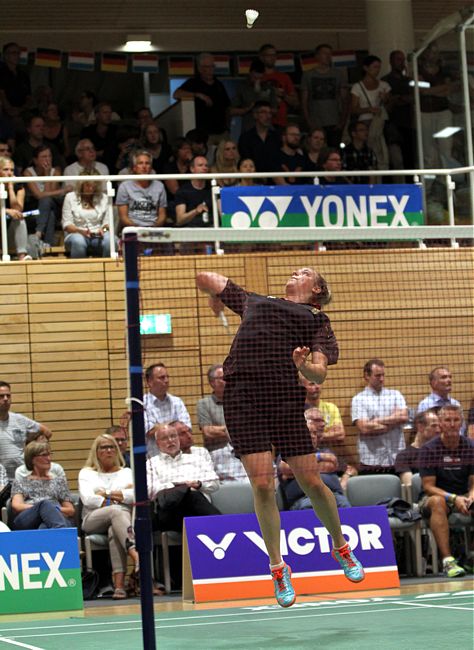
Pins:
x,y
265,219
301,541
21,571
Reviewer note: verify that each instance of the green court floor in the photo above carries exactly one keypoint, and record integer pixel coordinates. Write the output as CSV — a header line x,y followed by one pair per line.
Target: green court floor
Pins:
x,y
433,620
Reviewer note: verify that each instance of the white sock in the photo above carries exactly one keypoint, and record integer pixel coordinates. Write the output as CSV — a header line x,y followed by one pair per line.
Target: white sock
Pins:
x,y
277,566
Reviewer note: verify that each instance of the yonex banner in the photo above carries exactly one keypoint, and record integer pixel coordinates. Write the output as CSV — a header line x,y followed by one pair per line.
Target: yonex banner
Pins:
x,y
228,559
336,206
40,571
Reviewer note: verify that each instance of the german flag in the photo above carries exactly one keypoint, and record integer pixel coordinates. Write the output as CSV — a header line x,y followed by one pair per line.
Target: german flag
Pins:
x,y
112,62
243,64
308,61
48,58
180,66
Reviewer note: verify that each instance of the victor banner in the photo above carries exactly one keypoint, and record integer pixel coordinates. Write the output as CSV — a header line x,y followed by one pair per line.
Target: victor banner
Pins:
x,y
319,206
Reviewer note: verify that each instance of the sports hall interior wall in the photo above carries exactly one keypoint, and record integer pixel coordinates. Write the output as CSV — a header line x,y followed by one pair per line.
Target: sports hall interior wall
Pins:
x,y
64,337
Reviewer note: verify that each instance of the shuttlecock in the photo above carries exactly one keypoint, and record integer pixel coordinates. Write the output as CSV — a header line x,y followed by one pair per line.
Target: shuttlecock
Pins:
x,y
251,15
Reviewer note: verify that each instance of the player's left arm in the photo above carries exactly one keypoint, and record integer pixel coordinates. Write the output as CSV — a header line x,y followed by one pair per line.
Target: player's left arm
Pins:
x,y
313,366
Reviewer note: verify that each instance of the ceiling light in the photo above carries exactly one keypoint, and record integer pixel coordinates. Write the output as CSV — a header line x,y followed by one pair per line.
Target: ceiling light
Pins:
x,y
138,43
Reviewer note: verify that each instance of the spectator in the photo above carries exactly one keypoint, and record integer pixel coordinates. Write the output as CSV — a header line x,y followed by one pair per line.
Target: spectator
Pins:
x,y
407,461
324,96
87,103
127,144
441,381
368,100
25,151
17,230
103,134
141,202
470,421
14,428
45,196
86,220
334,428
327,465
290,157
55,133
331,161
144,118
22,471
161,406
199,141
378,414
86,160
5,148
357,155
227,156
246,166
7,132
15,87
41,500
251,90
284,87
152,141
210,413
107,495
447,471
401,134
178,164
261,143
210,98
120,436
178,483
315,142
193,200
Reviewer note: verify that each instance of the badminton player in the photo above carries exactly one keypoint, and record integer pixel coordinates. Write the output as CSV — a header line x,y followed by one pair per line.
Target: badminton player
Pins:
x,y
264,403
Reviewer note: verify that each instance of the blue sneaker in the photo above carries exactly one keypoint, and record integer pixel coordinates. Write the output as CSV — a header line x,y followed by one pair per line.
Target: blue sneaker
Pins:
x,y
353,569
284,592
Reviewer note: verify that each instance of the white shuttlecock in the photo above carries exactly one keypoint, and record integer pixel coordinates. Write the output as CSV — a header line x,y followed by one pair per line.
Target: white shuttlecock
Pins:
x,y
251,16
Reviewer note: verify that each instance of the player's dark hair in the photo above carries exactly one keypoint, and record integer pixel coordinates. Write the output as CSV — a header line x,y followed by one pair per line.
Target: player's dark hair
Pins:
x,y
325,297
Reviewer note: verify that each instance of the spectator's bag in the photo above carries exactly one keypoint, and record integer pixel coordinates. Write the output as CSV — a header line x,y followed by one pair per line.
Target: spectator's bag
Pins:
x,y
5,494
90,584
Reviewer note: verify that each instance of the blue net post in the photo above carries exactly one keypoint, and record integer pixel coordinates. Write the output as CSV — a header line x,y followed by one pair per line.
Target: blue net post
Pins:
x,y
143,531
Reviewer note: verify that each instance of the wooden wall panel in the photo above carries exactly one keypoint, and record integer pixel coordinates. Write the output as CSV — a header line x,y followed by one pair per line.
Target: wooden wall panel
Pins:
x,y
64,337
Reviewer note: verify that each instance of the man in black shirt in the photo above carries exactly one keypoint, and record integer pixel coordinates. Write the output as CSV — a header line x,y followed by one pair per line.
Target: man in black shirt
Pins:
x,y
193,199
447,471
407,461
290,157
261,143
264,402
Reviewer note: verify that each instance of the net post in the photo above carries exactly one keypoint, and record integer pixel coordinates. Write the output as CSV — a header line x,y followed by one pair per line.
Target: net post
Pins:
x,y
3,223
142,524
110,216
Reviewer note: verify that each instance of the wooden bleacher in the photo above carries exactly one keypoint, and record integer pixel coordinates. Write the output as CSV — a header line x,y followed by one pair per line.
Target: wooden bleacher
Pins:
x,y
63,330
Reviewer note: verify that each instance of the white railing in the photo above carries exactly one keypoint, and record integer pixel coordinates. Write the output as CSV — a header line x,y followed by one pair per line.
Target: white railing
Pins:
x,y
460,232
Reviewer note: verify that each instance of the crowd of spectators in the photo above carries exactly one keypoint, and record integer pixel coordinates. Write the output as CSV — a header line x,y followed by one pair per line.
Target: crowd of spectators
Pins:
x,y
276,125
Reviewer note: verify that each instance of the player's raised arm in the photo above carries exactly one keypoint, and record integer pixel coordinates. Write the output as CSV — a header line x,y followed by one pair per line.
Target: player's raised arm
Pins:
x,y
211,283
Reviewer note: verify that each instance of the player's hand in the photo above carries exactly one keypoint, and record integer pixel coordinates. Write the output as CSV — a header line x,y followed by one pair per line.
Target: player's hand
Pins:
x,y
299,356
216,305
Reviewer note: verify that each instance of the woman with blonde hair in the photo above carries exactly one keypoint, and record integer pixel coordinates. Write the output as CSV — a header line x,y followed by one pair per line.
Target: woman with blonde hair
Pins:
x,y
85,219
107,495
227,156
17,231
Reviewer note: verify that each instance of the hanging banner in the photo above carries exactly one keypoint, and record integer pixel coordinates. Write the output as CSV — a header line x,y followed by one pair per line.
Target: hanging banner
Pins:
x,y
81,61
285,62
46,58
243,64
112,62
319,206
344,58
144,63
307,61
221,65
225,556
180,66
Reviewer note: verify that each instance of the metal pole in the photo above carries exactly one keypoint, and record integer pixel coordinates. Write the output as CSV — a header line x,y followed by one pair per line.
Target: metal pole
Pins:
x,y
110,213
146,89
142,513
215,191
467,108
3,223
450,187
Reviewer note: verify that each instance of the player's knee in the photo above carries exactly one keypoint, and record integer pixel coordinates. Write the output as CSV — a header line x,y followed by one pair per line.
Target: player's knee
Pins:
x,y
263,487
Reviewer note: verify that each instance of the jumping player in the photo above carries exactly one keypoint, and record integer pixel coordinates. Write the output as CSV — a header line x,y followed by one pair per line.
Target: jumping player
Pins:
x,y
264,403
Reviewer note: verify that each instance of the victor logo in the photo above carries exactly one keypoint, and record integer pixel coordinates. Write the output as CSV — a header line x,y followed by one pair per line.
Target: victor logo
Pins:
x,y
22,571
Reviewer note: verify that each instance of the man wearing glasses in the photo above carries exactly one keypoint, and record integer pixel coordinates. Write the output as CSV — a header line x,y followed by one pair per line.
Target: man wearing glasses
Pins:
x,y
121,438
86,160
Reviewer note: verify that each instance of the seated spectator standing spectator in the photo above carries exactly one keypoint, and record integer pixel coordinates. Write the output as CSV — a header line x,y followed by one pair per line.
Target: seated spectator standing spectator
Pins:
x,y
210,413
441,381
330,161
193,203
290,157
86,160
227,157
251,90
107,494
178,164
246,166
45,196
55,469
15,87
120,435
103,135
152,141
378,413
261,143
160,406
210,98
25,151
407,461
447,471
284,87
334,428
327,465
41,500
55,133
324,96
85,220
14,428
315,142
357,155
144,118
17,229
178,483
141,202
